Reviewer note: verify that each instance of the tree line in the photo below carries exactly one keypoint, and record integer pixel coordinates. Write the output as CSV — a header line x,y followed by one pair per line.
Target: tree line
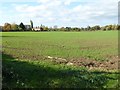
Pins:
x,y
88,28
22,27
15,27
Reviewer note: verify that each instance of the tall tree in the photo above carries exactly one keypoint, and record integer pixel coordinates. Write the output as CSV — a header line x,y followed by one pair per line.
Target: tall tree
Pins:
x,y
31,23
22,26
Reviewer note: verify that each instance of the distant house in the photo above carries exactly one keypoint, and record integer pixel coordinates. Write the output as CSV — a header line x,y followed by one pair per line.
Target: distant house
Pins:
x,y
27,27
37,29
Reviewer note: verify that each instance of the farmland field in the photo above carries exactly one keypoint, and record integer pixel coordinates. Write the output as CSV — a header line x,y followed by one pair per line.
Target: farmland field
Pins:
x,y
60,59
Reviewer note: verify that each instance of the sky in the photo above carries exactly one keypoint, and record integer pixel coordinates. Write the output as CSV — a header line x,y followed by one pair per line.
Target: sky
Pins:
x,y
63,13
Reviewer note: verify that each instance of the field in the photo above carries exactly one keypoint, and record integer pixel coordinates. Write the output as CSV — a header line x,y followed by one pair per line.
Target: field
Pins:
x,y
60,59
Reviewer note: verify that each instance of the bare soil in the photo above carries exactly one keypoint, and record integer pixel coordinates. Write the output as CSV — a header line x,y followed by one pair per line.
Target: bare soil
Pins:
x,y
111,64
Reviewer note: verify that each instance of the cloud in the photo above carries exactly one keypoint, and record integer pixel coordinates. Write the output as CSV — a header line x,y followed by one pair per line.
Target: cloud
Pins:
x,y
95,10
26,8
0,12
62,11
7,1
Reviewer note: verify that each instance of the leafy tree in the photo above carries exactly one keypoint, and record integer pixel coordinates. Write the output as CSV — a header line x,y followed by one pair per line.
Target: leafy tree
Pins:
x,y
97,27
82,28
31,22
14,27
67,28
103,28
62,28
22,26
79,29
88,28
113,27
7,27
108,27
45,28
117,27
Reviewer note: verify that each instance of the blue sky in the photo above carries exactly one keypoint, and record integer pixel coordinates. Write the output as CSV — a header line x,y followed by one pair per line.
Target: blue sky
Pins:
x,y
74,13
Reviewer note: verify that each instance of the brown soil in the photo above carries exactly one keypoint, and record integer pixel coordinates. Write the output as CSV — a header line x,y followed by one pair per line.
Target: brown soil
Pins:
x,y
112,64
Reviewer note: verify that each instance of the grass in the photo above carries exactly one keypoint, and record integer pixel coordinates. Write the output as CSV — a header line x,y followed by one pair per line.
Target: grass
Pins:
x,y
94,45
25,63
34,74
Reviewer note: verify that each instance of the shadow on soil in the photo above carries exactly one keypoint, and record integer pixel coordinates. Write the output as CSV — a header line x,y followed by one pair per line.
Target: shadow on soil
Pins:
x,y
17,74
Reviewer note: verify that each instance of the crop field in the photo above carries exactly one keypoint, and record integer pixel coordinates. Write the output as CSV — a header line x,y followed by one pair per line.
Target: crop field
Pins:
x,y
60,59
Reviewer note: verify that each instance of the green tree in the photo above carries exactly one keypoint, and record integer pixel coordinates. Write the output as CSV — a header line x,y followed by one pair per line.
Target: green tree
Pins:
x,y
103,28
62,29
88,28
109,27
117,27
97,27
67,28
14,27
22,26
82,29
45,28
113,27
31,23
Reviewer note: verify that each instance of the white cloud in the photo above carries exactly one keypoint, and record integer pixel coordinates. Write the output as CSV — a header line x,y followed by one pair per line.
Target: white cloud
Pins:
x,y
0,12
26,8
93,10
43,1
50,11
4,1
